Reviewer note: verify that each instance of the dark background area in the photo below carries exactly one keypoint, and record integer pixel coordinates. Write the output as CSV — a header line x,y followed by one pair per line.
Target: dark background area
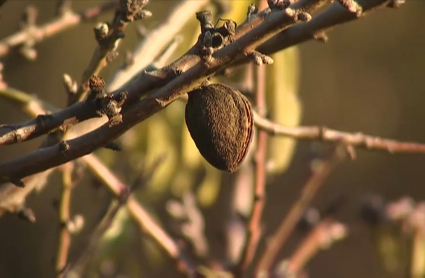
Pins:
x,y
369,77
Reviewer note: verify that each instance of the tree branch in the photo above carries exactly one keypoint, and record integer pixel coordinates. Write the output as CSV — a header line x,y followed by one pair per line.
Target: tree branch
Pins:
x,y
276,242
324,21
151,80
179,78
33,106
61,23
64,218
155,41
46,158
77,265
140,215
327,232
108,37
147,81
253,233
358,140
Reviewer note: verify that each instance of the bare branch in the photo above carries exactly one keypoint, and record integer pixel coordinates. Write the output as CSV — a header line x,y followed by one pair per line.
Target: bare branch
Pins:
x,y
140,214
33,106
64,218
155,41
108,37
191,71
48,157
77,266
63,22
147,81
358,140
254,222
16,133
324,21
323,235
276,242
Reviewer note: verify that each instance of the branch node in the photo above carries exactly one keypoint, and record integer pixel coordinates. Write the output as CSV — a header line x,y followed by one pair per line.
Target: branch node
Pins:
x,y
97,87
42,119
120,98
302,16
101,31
259,58
142,14
64,147
132,10
205,19
291,13
321,37
280,4
252,10
353,7
114,120
213,37
161,103
111,106
228,28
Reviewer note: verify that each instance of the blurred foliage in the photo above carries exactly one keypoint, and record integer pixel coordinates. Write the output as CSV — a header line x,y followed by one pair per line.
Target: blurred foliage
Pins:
x,y
283,105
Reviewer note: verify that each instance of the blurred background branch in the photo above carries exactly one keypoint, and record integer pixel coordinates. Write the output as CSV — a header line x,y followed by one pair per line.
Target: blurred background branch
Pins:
x,y
63,22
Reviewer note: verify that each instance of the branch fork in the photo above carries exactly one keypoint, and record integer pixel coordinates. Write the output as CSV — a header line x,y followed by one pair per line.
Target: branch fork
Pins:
x,y
106,104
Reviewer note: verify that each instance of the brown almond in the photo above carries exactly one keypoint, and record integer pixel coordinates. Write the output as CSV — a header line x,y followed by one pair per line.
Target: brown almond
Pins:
x,y
220,121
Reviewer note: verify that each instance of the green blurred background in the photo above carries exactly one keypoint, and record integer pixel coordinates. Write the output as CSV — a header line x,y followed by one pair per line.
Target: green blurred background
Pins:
x,y
368,77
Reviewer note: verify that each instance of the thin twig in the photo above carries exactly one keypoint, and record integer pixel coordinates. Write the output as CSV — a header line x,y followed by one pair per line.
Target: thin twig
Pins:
x,y
59,24
107,44
358,140
190,221
322,22
254,221
278,239
64,218
147,224
324,234
78,265
155,41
